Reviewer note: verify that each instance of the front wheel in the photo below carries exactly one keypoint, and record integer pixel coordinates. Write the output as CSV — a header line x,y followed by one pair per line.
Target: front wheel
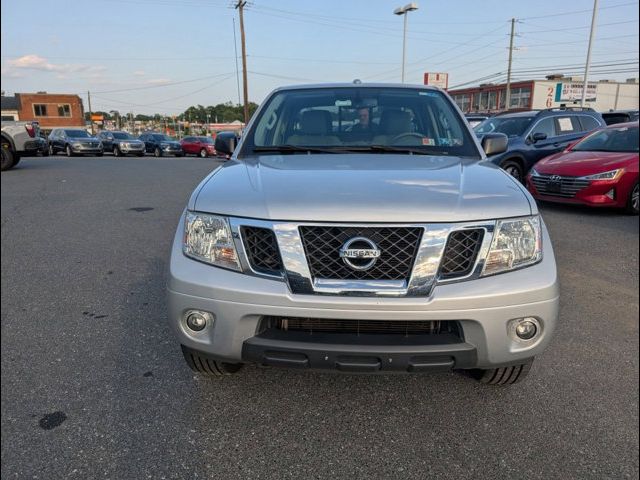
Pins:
x,y
157,152
69,151
203,153
504,375
51,151
514,169
634,199
116,152
206,366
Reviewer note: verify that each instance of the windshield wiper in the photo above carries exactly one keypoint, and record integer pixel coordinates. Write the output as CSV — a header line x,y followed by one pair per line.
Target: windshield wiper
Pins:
x,y
389,148
294,149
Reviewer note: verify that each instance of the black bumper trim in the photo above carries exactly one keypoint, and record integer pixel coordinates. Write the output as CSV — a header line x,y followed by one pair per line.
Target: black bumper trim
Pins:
x,y
359,357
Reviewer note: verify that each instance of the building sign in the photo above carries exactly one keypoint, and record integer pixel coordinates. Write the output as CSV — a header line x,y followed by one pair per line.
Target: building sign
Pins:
x,y
570,92
440,80
97,118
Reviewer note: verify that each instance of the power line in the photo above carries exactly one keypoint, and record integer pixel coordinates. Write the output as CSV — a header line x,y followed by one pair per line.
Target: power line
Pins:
x,y
579,11
169,84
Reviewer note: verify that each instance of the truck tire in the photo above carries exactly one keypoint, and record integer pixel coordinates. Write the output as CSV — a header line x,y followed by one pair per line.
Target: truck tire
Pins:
x,y
206,366
8,158
504,375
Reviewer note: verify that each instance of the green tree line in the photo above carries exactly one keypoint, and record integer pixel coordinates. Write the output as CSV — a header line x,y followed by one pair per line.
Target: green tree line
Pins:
x,y
221,113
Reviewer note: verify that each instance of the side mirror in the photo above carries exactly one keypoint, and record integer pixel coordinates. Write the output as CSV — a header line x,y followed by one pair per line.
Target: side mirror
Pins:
x,y
225,144
494,143
538,136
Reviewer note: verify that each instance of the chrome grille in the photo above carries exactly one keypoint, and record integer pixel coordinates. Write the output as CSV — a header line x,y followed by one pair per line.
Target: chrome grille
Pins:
x,y
262,249
460,253
566,187
398,246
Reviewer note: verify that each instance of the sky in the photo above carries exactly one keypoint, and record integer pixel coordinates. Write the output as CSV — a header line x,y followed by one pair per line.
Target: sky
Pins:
x,y
162,56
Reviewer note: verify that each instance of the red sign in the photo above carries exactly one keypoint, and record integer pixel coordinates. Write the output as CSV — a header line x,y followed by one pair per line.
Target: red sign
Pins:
x,y
440,80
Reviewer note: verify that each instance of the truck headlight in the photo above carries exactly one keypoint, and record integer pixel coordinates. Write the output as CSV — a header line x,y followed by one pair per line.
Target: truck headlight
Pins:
x,y
611,175
208,238
516,243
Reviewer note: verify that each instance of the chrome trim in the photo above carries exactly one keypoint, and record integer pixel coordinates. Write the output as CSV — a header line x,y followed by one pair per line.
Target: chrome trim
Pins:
x,y
422,280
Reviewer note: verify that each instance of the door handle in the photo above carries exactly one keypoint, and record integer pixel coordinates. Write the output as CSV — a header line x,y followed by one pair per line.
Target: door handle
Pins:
x,y
556,144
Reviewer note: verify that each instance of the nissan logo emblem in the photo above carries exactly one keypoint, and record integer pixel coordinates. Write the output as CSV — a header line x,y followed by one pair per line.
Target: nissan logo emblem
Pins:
x,y
360,253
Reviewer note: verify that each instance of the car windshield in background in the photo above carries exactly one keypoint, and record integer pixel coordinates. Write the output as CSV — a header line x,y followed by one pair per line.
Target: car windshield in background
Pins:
x,y
122,136
76,133
623,139
361,119
162,138
205,140
510,126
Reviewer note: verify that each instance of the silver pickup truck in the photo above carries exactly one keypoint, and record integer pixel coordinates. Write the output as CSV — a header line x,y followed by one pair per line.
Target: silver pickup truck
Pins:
x,y
19,139
359,228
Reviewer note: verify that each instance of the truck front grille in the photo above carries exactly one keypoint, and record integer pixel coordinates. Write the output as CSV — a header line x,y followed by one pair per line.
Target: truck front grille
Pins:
x,y
460,253
565,187
262,250
313,326
398,246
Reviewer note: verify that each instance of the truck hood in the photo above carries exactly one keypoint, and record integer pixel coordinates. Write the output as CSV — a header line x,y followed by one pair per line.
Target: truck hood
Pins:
x,y
392,188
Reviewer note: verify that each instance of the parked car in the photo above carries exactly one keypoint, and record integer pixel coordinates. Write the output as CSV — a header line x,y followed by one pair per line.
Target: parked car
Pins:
x,y
121,143
600,170
74,142
19,139
620,116
202,146
536,134
226,138
315,247
475,119
160,144
43,145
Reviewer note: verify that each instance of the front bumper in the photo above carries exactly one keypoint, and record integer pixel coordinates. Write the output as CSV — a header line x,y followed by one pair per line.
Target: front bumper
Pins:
x,y
482,307
593,195
86,150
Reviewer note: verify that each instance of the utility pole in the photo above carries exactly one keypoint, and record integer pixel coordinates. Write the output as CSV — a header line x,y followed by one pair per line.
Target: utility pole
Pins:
x,y
240,6
508,95
235,49
90,112
586,67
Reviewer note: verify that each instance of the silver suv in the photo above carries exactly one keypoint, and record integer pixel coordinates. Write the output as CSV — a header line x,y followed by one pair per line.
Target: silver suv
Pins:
x,y
359,228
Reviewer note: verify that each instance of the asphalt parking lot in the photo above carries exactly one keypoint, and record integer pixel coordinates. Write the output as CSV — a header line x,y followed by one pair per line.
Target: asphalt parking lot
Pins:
x,y
94,384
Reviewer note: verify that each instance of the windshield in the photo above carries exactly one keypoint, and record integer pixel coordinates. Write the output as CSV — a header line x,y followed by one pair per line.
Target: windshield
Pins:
x,y
205,140
347,119
122,136
510,126
158,137
624,139
76,133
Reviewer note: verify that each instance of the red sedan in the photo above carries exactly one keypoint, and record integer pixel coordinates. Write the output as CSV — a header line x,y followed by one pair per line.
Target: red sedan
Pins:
x,y
601,170
202,146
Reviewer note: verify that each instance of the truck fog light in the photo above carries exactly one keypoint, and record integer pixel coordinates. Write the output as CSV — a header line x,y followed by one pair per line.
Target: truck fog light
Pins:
x,y
524,329
197,320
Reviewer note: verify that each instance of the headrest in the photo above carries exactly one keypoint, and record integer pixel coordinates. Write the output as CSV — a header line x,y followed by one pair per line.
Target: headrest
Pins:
x,y
315,122
394,122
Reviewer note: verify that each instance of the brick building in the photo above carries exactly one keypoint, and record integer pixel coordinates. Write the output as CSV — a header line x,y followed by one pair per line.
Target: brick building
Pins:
x,y
50,110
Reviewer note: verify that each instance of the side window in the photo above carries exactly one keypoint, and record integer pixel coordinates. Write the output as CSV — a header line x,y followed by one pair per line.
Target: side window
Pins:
x,y
546,126
588,123
567,125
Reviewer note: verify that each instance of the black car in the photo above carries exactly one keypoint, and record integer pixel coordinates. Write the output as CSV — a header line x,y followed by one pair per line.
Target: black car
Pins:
x,y
160,144
536,134
43,146
620,116
74,142
121,143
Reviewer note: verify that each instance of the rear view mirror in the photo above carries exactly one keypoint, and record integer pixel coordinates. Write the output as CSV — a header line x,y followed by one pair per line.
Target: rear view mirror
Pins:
x,y
538,137
494,143
225,144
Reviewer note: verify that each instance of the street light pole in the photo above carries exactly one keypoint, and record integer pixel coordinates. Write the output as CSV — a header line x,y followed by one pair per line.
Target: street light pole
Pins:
x,y
403,11
586,67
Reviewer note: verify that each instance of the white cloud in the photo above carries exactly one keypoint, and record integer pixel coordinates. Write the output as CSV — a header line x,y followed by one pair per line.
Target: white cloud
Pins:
x,y
139,73
158,81
36,62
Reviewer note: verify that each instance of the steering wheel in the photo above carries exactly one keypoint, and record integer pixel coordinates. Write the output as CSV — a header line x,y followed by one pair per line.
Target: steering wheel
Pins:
x,y
395,139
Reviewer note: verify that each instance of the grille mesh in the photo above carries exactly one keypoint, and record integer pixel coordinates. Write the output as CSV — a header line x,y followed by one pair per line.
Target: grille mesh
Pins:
x,y
566,187
262,249
330,325
460,253
398,246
